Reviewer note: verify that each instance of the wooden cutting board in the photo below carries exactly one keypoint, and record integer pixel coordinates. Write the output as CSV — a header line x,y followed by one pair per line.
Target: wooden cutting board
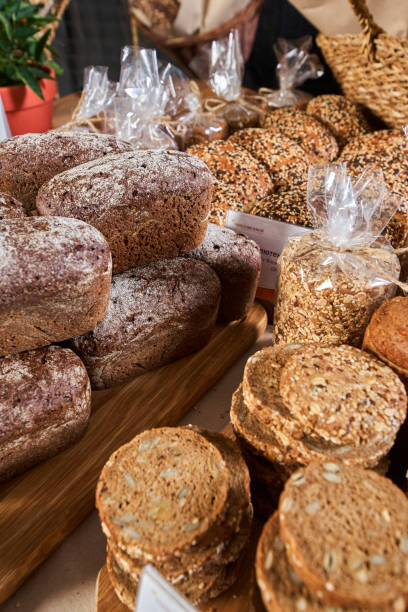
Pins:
x,y
39,509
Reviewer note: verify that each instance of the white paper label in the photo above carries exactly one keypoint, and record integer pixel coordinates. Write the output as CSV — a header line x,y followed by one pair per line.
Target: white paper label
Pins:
x,y
156,595
271,236
4,126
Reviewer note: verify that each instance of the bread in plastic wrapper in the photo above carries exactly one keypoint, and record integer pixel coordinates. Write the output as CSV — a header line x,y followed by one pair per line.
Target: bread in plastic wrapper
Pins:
x,y
332,279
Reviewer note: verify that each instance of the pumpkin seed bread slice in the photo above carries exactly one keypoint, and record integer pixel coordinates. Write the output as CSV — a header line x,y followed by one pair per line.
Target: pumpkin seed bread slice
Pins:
x,y
308,132
346,532
163,493
343,395
341,115
284,158
281,588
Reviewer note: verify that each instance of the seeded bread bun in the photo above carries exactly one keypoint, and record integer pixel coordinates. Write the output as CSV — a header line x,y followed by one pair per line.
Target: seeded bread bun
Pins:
x,y
343,117
283,158
315,139
55,281
30,160
157,313
345,530
149,205
237,261
45,402
10,208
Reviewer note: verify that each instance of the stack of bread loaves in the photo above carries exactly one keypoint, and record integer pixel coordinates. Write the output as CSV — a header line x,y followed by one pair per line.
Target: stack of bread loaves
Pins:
x,y
303,403
177,498
338,542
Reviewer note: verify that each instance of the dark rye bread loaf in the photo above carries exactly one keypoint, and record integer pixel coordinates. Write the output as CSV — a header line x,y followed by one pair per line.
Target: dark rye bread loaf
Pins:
x,y
45,402
345,530
54,281
157,313
149,205
28,161
10,208
237,261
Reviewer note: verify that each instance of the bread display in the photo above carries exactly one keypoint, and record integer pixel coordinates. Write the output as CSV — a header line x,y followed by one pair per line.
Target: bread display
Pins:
x,y
237,261
149,205
29,161
55,281
342,116
10,208
45,402
313,136
194,524
344,530
157,313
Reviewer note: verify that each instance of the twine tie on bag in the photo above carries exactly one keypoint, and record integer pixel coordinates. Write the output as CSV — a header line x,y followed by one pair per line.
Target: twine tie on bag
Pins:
x,y
213,105
367,254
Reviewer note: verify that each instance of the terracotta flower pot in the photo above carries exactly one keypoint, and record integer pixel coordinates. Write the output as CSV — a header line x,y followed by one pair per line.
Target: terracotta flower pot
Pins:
x,y
25,111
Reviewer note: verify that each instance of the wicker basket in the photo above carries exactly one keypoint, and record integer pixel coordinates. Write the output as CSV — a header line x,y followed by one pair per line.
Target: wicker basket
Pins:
x,y
183,48
371,67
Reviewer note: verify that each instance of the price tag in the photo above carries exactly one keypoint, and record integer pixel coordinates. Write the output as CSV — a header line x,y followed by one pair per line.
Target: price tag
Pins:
x,y
271,237
4,126
156,595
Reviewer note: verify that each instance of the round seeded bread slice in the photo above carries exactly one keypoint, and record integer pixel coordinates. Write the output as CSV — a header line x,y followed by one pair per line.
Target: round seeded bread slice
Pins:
x,y
162,493
276,445
281,588
308,132
343,395
346,533
284,158
342,116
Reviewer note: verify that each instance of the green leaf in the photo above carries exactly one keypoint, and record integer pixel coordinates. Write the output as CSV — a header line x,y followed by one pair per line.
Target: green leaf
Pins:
x,y
6,25
39,50
52,50
24,31
56,67
26,11
25,75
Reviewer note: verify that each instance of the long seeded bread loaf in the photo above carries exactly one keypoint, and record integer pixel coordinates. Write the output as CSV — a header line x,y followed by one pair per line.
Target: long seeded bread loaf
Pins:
x,y
45,401
157,313
345,530
237,261
28,161
10,208
149,205
54,281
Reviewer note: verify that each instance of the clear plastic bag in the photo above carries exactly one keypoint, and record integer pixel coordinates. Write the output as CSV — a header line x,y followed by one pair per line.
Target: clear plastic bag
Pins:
x,y
331,280
226,68
295,65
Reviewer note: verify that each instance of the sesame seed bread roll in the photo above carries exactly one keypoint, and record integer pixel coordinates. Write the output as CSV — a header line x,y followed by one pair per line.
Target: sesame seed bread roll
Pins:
x,y
149,205
341,115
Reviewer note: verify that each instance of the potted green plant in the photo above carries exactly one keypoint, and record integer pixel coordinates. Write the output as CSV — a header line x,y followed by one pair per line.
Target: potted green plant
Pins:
x,y
27,73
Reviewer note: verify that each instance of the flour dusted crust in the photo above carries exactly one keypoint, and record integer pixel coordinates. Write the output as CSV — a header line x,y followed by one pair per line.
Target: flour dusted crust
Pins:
x,y
55,275
149,205
28,161
386,335
45,402
157,313
341,115
345,531
343,395
237,261
283,158
309,133
10,208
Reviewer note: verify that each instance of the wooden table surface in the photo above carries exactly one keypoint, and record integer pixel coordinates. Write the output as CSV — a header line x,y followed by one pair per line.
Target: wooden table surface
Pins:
x,y
63,108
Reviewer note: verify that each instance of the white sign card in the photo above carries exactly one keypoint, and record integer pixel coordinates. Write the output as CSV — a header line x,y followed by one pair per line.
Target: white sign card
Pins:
x,y
271,236
156,595
4,126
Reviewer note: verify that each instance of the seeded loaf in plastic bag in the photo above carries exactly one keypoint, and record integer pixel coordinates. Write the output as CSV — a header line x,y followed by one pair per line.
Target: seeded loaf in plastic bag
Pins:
x,y
54,281
28,161
45,402
149,205
157,313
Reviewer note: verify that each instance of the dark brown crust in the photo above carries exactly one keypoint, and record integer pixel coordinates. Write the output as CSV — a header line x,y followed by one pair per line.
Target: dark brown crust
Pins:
x,y
45,402
54,283
157,313
10,208
28,161
149,205
237,261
